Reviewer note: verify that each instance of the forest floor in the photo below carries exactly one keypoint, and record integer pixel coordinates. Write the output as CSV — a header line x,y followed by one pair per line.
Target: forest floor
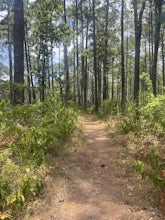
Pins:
x,y
94,181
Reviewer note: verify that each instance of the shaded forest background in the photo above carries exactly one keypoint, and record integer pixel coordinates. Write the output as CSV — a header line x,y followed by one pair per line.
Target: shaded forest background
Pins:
x,y
83,51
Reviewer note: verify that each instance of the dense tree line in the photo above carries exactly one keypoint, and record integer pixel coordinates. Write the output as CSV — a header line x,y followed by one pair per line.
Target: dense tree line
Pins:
x,y
85,50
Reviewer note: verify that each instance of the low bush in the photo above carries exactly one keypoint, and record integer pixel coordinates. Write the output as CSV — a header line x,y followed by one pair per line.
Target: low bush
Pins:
x,y
153,167
148,119
30,133
109,107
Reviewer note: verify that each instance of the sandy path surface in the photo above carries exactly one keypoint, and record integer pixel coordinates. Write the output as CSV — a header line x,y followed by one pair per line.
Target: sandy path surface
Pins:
x,y
93,182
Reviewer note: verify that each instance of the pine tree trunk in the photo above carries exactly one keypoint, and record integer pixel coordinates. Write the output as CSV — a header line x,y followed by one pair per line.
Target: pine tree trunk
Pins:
x,y
77,57
29,63
99,81
43,77
60,75
86,72
10,51
138,31
95,57
163,57
158,14
82,56
105,63
28,72
18,52
151,40
52,68
112,91
74,64
66,69
145,66
123,98
92,90
126,67
47,67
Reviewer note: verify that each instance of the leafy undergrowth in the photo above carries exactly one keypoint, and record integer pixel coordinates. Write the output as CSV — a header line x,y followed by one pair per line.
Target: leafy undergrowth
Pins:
x,y
144,131
109,107
144,154
28,134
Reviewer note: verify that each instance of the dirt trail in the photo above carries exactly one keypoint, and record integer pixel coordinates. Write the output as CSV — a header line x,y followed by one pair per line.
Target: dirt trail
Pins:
x,y
95,183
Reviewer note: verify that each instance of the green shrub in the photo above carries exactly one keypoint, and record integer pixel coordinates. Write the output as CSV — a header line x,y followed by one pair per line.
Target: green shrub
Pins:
x,y
29,188
31,132
149,119
4,192
109,107
146,118
154,114
134,121
65,122
152,168
36,128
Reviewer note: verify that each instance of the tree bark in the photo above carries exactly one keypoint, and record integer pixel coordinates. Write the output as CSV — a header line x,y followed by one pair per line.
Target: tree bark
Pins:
x,y
18,52
138,31
43,77
112,91
66,69
105,63
163,57
28,72
150,38
99,81
123,97
86,69
52,68
94,56
83,58
77,57
158,13
60,75
28,58
10,50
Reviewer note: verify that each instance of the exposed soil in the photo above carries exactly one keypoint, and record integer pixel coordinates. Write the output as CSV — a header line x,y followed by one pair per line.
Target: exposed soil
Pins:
x,y
94,181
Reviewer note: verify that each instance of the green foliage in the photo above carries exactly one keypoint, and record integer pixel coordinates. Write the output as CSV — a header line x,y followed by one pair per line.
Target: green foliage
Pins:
x,y
109,107
4,191
140,167
37,128
29,187
153,168
18,183
65,122
30,132
91,110
146,83
146,118
133,121
155,115
45,25
30,145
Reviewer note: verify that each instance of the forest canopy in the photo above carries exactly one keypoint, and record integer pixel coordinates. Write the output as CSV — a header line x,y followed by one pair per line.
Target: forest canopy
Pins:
x,y
84,51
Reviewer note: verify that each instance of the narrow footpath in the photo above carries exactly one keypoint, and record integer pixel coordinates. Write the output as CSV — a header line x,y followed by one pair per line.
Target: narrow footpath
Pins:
x,y
94,181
